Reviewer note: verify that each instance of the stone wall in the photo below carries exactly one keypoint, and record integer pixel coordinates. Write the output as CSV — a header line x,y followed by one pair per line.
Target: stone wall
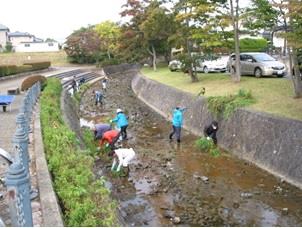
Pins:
x,y
272,143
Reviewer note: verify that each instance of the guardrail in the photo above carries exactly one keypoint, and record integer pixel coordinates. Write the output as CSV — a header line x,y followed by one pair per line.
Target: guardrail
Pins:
x,y
17,180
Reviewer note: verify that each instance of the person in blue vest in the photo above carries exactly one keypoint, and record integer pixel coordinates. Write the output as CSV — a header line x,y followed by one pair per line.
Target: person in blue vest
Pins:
x,y
121,122
177,121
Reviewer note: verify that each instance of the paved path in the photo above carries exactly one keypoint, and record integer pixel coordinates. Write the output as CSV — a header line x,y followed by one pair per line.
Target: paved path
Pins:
x,y
7,130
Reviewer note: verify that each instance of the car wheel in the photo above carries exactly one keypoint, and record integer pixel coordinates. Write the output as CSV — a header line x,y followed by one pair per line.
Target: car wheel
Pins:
x,y
258,73
205,70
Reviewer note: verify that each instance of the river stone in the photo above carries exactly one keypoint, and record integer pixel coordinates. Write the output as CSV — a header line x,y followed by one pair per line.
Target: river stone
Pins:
x,y
176,220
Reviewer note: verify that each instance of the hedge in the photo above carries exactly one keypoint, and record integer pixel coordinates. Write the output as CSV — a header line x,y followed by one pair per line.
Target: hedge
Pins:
x,y
84,199
38,65
26,67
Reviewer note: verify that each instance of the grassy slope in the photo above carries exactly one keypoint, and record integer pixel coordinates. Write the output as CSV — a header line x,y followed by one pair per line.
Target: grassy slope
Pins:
x,y
273,95
18,58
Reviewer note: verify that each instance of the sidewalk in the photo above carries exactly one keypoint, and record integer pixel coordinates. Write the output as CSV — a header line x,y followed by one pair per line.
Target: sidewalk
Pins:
x,y
7,129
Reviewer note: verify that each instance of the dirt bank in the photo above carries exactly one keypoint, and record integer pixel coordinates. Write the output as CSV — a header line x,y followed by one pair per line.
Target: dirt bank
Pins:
x,y
178,185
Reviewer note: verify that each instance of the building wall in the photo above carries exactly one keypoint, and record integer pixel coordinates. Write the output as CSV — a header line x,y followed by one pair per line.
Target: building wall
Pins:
x,y
3,38
37,47
15,40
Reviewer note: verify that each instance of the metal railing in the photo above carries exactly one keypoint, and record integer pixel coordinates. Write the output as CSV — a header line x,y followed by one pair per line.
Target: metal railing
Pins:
x,y
17,179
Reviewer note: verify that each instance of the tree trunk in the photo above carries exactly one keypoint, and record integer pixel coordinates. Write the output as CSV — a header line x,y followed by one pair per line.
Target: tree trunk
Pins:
x,y
108,53
236,74
153,57
296,78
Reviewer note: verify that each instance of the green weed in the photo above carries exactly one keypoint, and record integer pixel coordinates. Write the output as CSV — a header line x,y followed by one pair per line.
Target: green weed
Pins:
x,y
86,202
225,106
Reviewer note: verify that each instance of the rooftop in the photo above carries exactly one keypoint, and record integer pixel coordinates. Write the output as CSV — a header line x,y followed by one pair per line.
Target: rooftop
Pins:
x,y
3,27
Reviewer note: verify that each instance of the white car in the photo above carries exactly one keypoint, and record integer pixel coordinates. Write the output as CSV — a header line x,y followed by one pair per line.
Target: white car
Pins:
x,y
175,65
218,65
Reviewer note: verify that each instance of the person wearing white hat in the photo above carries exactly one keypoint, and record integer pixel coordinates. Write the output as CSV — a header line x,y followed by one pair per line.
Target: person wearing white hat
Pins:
x,y
124,156
210,131
121,122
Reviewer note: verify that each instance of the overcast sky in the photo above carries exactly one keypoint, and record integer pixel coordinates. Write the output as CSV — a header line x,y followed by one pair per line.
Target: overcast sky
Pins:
x,y
56,18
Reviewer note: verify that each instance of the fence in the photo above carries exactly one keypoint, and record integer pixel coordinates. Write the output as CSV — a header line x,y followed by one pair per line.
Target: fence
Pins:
x,y
17,180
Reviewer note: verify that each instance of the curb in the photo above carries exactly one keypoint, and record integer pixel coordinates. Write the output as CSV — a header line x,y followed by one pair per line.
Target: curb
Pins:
x,y
51,211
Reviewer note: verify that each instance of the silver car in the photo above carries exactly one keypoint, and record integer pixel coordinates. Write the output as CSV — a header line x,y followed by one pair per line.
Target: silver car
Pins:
x,y
258,64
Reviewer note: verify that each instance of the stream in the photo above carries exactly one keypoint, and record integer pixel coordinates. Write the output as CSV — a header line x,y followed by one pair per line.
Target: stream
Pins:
x,y
177,185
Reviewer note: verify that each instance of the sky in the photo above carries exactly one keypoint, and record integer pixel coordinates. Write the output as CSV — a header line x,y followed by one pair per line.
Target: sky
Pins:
x,y
56,18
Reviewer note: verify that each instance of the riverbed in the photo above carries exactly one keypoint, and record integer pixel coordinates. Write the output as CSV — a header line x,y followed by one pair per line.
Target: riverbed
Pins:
x,y
172,184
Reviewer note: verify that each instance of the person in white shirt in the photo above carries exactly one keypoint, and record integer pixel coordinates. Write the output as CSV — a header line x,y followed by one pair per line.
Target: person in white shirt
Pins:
x,y
124,156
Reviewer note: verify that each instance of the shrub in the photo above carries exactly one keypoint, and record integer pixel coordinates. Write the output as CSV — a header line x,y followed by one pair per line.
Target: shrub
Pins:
x,y
207,146
38,65
8,70
226,105
24,68
85,201
108,62
253,45
30,81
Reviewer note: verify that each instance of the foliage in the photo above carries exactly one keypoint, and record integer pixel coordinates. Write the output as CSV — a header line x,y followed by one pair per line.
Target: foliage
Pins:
x,y
207,146
8,47
253,45
260,15
77,96
83,46
226,105
38,65
109,33
109,62
85,201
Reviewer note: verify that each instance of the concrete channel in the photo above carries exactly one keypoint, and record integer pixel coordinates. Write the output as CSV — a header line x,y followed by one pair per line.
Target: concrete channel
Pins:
x,y
177,185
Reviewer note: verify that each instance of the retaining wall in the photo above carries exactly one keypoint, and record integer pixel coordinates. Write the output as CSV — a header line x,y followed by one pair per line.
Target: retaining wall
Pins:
x,y
272,143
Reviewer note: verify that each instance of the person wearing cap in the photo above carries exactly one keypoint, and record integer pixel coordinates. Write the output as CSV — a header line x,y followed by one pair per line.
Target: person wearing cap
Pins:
x,y
210,131
177,121
124,157
100,129
121,122
111,138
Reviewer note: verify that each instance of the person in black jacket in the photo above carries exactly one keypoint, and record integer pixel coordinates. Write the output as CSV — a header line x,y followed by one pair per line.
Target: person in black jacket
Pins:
x,y
210,131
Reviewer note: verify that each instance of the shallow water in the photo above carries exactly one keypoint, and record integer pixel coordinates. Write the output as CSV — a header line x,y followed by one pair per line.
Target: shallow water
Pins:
x,y
167,182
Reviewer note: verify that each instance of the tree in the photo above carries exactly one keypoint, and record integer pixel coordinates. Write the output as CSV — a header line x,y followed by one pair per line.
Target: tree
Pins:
x,y
294,38
234,9
8,47
109,33
157,27
83,46
50,40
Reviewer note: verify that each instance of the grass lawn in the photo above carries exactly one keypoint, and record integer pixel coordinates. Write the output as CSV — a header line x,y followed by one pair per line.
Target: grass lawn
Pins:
x,y
18,58
273,95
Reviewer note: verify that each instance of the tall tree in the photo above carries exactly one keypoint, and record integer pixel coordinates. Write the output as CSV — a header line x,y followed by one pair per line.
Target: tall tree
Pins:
x,y
294,38
234,9
109,33
83,46
157,27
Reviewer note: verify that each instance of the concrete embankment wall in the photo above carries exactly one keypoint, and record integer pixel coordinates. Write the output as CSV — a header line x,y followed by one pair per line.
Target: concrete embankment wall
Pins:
x,y
272,143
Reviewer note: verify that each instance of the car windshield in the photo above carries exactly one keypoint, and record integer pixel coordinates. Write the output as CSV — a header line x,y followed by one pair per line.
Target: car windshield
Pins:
x,y
263,57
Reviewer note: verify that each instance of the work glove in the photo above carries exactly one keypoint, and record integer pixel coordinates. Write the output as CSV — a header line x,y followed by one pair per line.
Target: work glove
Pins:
x,y
110,121
208,138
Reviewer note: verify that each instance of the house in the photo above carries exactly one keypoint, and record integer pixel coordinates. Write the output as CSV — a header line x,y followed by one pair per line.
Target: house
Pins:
x,y
37,47
18,37
3,36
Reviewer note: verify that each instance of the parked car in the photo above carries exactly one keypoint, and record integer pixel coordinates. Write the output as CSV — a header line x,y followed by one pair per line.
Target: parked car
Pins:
x,y
258,64
215,65
175,65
